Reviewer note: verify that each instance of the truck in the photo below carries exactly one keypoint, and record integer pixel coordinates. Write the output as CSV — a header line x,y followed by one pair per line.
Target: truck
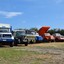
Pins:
x,y
20,37
6,36
46,36
24,36
35,37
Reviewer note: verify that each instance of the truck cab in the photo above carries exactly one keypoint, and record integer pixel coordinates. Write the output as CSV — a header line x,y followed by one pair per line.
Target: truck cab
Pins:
x,y
6,36
20,37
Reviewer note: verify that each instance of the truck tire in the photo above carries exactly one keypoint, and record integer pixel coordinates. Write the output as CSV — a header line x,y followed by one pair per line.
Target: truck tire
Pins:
x,y
26,43
15,42
11,44
45,40
32,42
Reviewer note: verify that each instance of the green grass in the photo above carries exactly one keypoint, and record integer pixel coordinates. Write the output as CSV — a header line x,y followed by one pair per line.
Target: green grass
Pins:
x,y
26,55
14,56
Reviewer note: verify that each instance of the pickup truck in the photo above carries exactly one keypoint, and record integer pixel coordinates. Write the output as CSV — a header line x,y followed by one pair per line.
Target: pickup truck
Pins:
x,y
20,37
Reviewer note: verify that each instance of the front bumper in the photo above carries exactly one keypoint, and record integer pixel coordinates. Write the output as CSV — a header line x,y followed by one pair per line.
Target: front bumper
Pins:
x,y
6,40
25,40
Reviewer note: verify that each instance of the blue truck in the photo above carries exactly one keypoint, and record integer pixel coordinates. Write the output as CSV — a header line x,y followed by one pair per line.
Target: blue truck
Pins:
x,y
6,36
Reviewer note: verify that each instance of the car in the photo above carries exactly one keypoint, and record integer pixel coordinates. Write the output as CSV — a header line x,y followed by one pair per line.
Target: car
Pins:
x,y
45,35
48,37
58,37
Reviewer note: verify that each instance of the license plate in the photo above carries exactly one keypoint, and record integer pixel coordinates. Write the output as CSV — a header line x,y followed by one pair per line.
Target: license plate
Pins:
x,y
4,40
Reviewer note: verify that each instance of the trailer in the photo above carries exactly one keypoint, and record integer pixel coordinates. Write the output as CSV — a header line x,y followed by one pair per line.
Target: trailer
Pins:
x,y
6,36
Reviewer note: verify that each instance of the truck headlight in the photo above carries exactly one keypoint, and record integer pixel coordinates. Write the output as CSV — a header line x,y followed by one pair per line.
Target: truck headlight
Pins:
x,y
13,37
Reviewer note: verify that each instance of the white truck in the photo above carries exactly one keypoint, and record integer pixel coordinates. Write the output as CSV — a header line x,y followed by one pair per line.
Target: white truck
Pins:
x,y
6,36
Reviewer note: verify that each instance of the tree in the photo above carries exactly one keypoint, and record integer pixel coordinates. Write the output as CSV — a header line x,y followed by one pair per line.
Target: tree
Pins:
x,y
62,32
52,31
35,29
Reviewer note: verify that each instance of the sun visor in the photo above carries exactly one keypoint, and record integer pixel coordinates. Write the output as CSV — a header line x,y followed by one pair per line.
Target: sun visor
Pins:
x,y
43,30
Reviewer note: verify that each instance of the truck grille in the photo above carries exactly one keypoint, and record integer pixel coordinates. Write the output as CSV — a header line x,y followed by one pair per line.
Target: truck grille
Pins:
x,y
6,35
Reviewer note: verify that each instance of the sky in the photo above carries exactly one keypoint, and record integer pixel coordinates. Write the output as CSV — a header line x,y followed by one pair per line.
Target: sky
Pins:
x,y
32,13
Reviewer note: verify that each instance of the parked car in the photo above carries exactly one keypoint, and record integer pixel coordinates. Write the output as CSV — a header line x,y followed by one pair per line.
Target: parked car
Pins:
x,y
34,37
48,37
39,38
58,37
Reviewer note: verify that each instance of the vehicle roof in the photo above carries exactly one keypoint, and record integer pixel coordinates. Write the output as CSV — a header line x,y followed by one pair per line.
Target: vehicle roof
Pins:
x,y
6,33
18,30
4,25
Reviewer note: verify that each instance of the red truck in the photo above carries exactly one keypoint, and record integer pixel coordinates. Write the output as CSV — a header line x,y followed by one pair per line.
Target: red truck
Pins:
x,y
46,36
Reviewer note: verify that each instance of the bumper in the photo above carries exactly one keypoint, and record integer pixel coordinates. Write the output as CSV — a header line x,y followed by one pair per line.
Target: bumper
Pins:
x,y
25,40
6,40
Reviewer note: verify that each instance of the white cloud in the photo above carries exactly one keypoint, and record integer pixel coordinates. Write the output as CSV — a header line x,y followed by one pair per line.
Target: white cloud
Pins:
x,y
10,14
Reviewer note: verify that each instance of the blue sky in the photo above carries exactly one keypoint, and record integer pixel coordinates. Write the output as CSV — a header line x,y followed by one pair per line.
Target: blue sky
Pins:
x,y
32,13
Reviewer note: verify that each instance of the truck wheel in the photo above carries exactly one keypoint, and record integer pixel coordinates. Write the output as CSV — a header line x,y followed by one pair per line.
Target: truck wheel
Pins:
x,y
45,40
15,42
31,42
11,44
26,44
56,40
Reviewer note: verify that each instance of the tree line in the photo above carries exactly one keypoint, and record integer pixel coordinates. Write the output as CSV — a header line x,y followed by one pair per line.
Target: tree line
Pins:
x,y
51,31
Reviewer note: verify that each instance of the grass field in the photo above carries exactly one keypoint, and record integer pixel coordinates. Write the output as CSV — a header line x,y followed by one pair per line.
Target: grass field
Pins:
x,y
43,53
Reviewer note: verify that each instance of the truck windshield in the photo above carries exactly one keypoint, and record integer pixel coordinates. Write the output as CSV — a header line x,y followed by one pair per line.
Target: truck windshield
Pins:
x,y
30,32
4,30
20,33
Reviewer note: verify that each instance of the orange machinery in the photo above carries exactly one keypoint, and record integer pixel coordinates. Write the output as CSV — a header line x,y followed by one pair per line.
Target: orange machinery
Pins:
x,y
46,36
